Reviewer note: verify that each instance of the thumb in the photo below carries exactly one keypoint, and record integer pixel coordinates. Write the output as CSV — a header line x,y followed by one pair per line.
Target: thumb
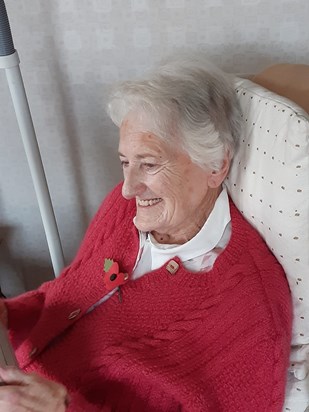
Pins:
x,y
13,376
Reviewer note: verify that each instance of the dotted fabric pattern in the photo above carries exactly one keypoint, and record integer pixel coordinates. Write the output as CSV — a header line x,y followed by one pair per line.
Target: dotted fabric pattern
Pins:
x,y
269,183
297,395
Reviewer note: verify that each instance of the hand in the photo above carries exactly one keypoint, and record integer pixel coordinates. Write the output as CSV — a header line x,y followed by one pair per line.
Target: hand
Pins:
x,y
30,393
3,313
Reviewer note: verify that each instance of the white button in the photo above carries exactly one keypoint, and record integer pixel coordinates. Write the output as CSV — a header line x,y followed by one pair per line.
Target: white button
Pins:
x,y
73,314
172,267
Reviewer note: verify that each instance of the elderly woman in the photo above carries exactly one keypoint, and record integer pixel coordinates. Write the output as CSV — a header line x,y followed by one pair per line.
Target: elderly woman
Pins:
x,y
174,302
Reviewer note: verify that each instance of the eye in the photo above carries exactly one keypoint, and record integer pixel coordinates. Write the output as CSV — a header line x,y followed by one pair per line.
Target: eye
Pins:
x,y
124,163
149,166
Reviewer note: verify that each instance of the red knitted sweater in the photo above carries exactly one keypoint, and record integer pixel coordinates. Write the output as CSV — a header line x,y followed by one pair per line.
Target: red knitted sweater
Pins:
x,y
194,342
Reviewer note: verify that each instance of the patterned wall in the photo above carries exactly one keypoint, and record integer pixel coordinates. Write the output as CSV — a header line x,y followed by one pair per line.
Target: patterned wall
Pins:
x,y
71,51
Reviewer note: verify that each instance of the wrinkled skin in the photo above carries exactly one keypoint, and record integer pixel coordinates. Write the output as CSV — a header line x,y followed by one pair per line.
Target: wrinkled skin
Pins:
x,y
174,196
21,392
30,393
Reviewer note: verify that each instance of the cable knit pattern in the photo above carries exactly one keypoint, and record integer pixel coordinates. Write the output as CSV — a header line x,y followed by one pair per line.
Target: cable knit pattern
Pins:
x,y
191,342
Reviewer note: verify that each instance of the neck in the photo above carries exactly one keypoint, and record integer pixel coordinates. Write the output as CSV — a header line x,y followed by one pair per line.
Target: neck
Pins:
x,y
193,225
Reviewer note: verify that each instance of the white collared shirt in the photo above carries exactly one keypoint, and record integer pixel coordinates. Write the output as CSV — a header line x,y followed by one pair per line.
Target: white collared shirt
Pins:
x,y
198,254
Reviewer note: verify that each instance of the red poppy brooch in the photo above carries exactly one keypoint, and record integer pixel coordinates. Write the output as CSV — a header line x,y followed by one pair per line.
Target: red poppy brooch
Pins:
x,y
112,276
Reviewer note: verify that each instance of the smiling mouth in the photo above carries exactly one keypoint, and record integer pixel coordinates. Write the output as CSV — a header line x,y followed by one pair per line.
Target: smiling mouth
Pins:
x,y
149,202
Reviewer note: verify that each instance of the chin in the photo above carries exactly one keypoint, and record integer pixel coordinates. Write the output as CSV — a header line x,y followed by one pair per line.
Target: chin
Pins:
x,y
141,225
148,223
144,229
144,226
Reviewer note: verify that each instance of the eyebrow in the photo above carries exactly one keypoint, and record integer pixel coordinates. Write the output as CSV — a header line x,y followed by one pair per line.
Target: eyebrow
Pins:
x,y
140,156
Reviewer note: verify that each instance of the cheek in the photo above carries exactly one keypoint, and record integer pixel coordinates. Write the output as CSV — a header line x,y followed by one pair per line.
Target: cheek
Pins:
x,y
171,187
175,186
178,195
188,181
187,192
160,183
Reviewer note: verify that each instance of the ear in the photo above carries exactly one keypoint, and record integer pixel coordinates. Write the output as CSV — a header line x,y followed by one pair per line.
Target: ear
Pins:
x,y
216,177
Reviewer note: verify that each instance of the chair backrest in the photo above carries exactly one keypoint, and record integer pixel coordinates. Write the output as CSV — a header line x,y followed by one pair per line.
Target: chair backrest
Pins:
x,y
288,80
269,183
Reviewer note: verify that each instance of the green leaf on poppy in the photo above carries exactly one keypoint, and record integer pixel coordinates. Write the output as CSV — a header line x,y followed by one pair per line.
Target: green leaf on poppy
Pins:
x,y
107,264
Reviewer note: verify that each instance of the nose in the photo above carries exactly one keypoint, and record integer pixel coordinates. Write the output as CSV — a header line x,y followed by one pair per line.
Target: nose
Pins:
x,y
133,185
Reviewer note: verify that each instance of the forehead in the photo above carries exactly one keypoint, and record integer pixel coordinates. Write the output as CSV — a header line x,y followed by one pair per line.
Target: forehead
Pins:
x,y
136,136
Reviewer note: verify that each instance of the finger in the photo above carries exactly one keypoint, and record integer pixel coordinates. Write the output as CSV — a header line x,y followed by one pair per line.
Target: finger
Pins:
x,y
31,393
12,375
15,398
21,399
46,392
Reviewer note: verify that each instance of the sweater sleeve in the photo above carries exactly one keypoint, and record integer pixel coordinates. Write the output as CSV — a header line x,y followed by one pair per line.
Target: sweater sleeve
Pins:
x,y
25,310
255,380
23,313
254,377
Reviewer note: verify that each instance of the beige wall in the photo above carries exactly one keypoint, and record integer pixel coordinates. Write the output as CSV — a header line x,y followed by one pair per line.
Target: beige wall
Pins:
x,y
71,51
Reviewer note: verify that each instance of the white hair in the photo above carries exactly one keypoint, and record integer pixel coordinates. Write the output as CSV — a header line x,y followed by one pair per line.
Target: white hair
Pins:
x,y
188,99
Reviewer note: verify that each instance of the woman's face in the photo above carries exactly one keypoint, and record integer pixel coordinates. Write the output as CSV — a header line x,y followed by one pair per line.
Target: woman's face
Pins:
x,y
173,195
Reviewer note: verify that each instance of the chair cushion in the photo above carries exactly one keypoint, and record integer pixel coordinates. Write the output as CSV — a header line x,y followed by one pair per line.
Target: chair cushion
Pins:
x,y
269,183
